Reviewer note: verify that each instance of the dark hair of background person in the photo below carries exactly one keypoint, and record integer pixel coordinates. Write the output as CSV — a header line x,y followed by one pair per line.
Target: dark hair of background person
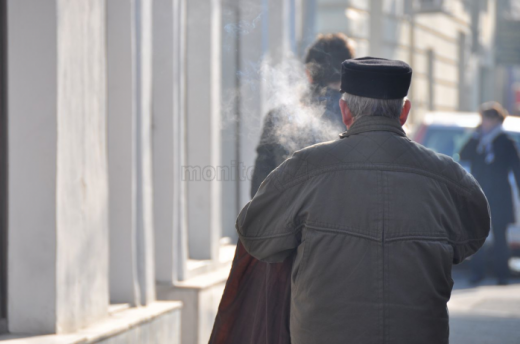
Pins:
x,y
493,110
325,55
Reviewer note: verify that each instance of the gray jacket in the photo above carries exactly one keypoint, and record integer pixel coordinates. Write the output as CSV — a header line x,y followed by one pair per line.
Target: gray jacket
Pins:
x,y
377,222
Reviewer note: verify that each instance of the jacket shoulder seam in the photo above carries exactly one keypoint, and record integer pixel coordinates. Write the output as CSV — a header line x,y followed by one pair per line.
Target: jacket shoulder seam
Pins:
x,y
401,238
340,231
271,236
377,167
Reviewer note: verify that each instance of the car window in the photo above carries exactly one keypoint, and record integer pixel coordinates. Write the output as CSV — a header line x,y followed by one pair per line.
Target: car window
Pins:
x,y
447,140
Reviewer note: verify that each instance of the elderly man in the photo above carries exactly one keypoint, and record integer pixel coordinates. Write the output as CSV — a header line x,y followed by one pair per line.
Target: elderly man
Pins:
x,y
376,221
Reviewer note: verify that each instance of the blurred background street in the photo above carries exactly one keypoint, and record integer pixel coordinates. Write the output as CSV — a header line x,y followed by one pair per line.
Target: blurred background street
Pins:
x,y
485,314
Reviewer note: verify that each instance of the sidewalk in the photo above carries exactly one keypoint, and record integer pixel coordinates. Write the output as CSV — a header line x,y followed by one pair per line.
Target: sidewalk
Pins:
x,y
485,314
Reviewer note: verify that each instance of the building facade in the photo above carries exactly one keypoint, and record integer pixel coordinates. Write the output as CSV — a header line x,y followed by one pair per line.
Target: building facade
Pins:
x,y
78,215
129,135
448,43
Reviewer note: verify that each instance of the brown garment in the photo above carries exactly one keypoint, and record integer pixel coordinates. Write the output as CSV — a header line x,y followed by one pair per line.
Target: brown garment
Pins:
x,y
376,221
255,304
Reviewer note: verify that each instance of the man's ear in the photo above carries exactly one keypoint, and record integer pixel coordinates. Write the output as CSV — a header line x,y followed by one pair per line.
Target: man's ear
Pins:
x,y
405,111
346,115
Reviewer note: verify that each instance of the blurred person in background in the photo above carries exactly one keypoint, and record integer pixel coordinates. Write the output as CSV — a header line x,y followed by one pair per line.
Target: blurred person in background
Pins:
x,y
492,156
323,67
256,300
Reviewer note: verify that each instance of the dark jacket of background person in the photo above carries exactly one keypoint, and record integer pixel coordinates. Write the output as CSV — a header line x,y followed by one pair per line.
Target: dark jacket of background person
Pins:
x,y
491,167
376,222
494,177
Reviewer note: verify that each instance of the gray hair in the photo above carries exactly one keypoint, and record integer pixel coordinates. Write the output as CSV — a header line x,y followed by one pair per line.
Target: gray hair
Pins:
x,y
362,106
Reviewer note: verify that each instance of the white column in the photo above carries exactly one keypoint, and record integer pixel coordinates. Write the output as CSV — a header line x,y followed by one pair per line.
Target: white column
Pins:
x,y
203,123
144,182
58,258
255,32
376,28
280,21
32,166
124,286
168,140
308,24
132,277
267,39
230,104
180,200
82,190
162,129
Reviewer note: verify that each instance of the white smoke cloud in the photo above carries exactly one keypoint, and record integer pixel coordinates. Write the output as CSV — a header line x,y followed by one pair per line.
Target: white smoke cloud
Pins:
x,y
285,92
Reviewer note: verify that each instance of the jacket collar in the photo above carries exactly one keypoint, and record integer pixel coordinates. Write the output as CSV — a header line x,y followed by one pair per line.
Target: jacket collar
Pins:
x,y
374,123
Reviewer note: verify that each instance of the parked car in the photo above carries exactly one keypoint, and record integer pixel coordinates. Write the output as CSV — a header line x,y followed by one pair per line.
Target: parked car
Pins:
x,y
447,132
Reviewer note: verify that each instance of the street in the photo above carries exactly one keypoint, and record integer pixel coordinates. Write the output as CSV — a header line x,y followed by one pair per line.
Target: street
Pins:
x,y
484,314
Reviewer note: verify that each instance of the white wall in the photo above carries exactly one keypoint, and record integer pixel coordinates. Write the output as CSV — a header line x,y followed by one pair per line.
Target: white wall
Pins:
x,y
124,286
82,179
169,140
203,123
57,165
32,107
230,103
162,129
253,47
144,179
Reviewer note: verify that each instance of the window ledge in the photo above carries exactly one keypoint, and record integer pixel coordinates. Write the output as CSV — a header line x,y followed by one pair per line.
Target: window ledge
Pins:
x,y
201,267
116,323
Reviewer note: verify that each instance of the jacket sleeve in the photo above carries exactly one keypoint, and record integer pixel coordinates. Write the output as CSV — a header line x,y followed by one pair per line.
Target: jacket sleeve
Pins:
x,y
474,220
267,225
469,150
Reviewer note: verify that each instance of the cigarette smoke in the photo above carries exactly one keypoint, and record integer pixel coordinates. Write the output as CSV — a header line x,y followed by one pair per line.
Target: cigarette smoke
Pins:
x,y
287,98
299,119
284,90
